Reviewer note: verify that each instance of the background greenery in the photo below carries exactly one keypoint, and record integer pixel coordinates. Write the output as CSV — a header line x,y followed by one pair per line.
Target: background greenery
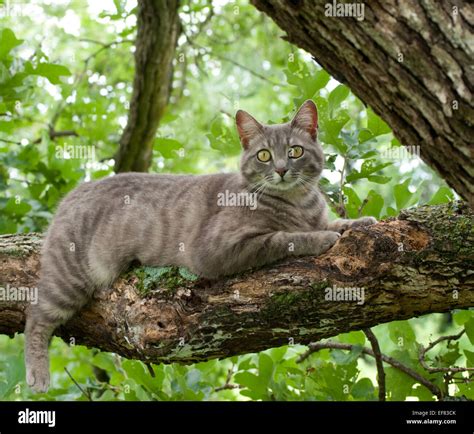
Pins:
x,y
68,65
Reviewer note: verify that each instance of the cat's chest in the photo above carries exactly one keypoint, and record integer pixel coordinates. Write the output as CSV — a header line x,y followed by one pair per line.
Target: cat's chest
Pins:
x,y
297,219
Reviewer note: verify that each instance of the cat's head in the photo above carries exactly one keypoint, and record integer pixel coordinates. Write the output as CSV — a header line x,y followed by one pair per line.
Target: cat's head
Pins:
x,y
283,156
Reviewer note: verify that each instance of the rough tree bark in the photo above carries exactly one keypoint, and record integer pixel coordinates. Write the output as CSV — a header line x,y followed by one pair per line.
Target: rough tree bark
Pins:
x,y
419,263
411,61
158,28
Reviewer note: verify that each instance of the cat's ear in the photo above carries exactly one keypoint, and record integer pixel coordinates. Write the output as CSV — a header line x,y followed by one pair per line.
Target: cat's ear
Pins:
x,y
307,118
247,126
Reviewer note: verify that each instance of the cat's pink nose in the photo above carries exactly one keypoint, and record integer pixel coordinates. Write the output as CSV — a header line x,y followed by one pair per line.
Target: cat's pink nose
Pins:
x,y
281,172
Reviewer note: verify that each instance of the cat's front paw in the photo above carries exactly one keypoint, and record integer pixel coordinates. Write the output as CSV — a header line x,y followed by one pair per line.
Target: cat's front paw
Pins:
x,y
363,221
328,240
37,376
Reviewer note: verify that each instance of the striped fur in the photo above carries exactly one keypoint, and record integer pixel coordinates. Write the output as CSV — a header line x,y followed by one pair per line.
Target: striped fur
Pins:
x,y
158,220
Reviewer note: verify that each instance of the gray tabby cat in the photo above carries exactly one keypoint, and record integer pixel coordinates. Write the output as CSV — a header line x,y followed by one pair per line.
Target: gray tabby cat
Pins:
x,y
101,227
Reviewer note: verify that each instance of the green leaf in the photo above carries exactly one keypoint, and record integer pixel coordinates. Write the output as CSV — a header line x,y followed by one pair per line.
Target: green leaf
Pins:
x,y
17,209
355,338
368,154
365,135
379,179
449,358
8,41
374,204
330,161
353,202
265,367
463,316
376,125
51,71
368,167
251,381
346,357
469,326
401,333
364,390
399,385
167,147
331,129
443,195
391,212
104,361
402,193
336,97
470,357
246,363
320,79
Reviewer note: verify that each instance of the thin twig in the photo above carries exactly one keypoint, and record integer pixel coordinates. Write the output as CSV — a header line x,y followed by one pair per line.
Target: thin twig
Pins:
x,y
245,68
10,141
86,394
423,351
312,348
232,61
378,362
227,385
54,134
21,180
105,46
150,370
362,205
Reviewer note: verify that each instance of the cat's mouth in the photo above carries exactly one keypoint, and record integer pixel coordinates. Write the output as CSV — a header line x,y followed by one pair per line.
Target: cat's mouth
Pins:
x,y
283,184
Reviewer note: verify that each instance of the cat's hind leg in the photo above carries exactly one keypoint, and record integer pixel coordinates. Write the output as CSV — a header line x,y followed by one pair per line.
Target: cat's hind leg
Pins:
x,y
55,307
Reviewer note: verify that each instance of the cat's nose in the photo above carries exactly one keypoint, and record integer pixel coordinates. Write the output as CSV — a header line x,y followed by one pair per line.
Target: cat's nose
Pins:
x,y
281,172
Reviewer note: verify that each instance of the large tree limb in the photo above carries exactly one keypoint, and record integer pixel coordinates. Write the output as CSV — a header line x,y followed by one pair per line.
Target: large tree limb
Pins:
x,y
411,61
158,28
420,263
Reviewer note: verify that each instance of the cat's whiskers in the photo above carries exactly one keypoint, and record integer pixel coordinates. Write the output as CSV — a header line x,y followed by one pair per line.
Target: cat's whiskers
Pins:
x,y
307,182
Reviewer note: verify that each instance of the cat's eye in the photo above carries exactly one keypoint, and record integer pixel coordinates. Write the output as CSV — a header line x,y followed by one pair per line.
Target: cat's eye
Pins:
x,y
264,156
295,152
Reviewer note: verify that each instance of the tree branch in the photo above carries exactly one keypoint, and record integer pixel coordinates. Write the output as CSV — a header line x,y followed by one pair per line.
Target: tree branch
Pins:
x,y
450,369
416,264
410,61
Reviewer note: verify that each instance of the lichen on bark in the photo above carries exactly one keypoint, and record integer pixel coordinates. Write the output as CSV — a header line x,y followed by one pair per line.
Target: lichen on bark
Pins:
x,y
407,266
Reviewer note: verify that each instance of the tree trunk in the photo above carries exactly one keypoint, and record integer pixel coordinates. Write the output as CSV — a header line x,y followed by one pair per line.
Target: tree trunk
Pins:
x,y
158,28
411,61
417,264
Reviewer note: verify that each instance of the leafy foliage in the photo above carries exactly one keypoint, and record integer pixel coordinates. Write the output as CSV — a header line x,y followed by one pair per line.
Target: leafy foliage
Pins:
x,y
75,77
